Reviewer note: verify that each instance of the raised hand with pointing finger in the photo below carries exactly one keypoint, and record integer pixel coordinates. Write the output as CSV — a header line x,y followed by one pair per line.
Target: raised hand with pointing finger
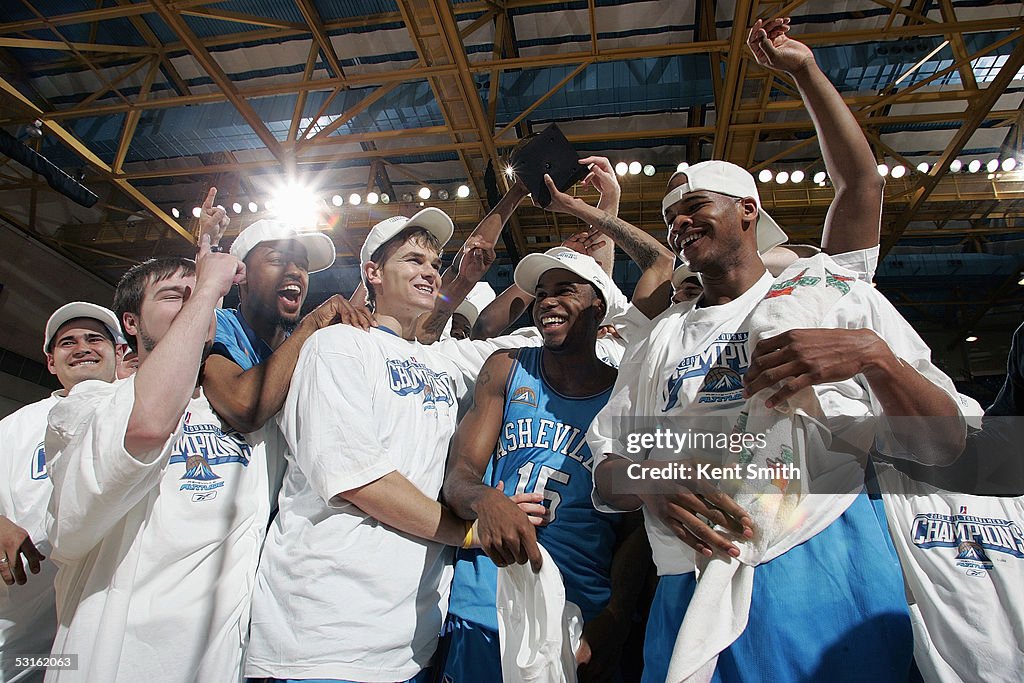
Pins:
x,y
213,220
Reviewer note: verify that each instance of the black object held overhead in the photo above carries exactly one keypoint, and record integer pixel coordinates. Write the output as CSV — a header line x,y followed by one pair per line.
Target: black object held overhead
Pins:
x,y
547,152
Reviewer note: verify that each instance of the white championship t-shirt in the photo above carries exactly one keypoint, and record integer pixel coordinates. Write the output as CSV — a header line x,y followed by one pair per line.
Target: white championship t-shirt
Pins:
x,y
157,561
28,617
691,369
963,564
338,594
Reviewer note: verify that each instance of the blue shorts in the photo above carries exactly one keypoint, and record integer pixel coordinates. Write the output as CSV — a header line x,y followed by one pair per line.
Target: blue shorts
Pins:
x,y
831,609
473,652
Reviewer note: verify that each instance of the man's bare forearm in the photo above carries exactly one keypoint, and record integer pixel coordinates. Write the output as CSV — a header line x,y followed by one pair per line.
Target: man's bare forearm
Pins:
x,y
608,203
396,501
611,469
854,216
639,245
430,325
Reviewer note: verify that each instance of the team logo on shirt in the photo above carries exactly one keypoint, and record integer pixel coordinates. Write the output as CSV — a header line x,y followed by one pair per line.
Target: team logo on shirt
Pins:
x,y
38,463
203,447
801,279
787,287
722,365
524,395
409,376
975,538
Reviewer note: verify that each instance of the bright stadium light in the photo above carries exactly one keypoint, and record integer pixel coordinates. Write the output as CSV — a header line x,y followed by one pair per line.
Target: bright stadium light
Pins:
x,y
635,167
462,192
196,211
337,200
649,170
923,167
424,193
974,166
236,207
883,170
682,167
992,166
1009,164
819,177
782,177
898,171
372,197
296,204
253,208
955,166
354,199
175,212
797,177
765,176
621,168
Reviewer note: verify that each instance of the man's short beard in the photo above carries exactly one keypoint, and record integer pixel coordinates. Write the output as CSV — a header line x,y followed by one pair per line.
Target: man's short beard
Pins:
x,y
289,325
147,342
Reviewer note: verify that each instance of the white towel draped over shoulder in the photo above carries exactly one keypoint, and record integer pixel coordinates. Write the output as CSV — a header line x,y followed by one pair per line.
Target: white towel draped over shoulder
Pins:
x,y
784,512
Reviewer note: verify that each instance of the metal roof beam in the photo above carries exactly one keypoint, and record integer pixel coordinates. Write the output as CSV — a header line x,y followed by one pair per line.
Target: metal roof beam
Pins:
x,y
956,41
37,44
131,121
174,20
976,114
85,153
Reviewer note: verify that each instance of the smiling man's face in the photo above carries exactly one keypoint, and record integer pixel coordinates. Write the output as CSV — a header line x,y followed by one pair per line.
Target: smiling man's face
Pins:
x,y
82,349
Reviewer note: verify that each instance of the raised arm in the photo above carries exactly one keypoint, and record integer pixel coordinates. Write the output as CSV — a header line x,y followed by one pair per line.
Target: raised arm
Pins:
x,y
166,380
853,219
505,531
246,399
476,258
655,260
602,177
458,280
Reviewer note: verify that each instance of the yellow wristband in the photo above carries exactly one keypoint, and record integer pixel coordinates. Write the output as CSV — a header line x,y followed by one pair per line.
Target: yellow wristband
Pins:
x,y
468,541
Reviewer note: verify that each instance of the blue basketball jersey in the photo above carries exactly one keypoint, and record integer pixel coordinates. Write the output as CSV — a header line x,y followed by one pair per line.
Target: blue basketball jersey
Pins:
x,y
542,447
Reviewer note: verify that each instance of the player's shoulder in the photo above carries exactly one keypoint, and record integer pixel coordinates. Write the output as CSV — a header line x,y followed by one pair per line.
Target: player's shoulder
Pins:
x,y
343,338
87,401
32,412
504,359
495,371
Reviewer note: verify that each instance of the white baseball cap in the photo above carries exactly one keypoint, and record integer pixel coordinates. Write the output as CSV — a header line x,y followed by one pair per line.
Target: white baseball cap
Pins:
x,y
682,273
434,221
533,266
319,247
728,179
81,309
477,300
